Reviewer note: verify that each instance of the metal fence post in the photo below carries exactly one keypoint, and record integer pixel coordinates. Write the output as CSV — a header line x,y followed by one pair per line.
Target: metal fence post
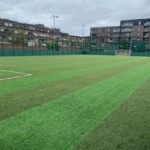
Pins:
x,y
31,42
39,44
53,46
67,46
46,47
76,46
23,44
71,47
13,46
62,44
2,45
50,46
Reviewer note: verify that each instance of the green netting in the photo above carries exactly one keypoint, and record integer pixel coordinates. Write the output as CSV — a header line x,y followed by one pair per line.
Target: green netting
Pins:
x,y
138,46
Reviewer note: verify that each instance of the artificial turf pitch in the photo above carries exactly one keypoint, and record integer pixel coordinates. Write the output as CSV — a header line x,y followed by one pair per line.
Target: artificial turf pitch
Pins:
x,y
80,102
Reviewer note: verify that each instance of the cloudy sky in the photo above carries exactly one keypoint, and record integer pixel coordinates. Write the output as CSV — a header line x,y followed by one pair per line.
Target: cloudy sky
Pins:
x,y
74,13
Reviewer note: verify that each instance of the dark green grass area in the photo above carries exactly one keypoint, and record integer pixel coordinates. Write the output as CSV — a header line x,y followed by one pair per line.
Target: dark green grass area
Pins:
x,y
127,128
69,98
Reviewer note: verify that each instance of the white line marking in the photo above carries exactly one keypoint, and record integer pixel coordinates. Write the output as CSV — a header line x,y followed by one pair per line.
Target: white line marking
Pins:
x,y
23,75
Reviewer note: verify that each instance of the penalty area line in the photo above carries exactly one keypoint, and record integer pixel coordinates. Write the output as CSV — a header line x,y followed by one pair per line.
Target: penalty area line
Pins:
x,y
22,75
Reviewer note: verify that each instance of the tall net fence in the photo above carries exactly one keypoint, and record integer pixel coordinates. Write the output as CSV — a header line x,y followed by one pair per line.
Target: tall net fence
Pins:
x,y
64,43
32,43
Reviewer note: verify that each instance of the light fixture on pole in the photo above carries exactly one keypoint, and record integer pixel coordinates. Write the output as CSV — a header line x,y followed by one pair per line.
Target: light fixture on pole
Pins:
x,y
54,29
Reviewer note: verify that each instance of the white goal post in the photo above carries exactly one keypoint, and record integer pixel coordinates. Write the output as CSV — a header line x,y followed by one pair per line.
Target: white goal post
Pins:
x,y
123,52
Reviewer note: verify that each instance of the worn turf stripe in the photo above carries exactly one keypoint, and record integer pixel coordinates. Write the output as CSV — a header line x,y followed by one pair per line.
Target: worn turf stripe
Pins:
x,y
128,127
23,83
23,100
41,60
58,69
60,65
56,63
63,123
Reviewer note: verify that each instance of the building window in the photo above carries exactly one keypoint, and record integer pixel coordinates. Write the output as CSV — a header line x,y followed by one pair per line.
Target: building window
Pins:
x,y
103,34
31,28
138,34
6,23
2,37
10,24
94,30
139,23
94,35
137,39
102,40
2,30
103,30
15,31
9,38
42,30
138,29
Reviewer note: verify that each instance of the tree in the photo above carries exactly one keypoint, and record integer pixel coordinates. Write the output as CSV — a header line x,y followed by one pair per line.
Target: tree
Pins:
x,y
50,46
71,41
20,37
123,44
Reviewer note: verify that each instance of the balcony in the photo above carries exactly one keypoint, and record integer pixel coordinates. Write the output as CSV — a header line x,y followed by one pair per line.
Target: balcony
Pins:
x,y
93,35
113,35
93,31
126,30
146,30
145,41
127,24
146,35
126,35
146,23
110,40
1,30
113,40
114,30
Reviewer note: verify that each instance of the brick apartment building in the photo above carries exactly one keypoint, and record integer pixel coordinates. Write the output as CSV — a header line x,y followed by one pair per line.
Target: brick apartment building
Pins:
x,y
36,32
137,29
9,28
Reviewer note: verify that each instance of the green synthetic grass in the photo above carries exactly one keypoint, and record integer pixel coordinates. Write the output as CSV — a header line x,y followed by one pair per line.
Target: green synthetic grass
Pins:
x,y
6,74
127,128
68,98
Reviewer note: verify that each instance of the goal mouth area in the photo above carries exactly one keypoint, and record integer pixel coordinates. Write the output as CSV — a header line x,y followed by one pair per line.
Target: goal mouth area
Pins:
x,y
123,52
123,55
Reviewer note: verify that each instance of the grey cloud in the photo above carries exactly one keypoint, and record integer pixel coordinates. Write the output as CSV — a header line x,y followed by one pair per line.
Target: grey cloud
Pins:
x,y
71,12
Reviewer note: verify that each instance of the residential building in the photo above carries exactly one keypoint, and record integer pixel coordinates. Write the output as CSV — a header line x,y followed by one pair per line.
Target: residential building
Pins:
x,y
9,28
34,32
136,29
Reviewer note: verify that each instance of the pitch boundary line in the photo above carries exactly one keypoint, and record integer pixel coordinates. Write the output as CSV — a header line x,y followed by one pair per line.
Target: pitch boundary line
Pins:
x,y
22,75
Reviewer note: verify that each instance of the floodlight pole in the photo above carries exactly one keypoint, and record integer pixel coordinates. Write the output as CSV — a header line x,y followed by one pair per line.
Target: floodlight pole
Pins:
x,y
82,36
54,29
131,39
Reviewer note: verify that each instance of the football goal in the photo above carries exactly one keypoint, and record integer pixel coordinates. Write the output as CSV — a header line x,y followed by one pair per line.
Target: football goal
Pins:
x,y
123,52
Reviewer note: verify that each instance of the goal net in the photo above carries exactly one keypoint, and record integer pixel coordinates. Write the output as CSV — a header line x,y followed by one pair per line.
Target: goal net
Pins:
x,y
123,52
